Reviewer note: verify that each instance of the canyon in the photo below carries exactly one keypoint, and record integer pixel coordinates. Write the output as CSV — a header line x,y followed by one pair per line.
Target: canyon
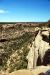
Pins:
x,y
24,45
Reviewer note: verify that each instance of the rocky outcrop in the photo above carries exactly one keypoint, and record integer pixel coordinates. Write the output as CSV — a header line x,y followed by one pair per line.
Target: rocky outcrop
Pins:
x,y
38,48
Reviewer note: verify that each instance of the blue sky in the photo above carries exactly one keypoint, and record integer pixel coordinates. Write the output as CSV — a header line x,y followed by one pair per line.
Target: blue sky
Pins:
x,y
24,10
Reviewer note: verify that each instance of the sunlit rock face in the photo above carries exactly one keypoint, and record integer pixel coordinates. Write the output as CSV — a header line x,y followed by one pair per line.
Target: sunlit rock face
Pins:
x,y
39,48
30,57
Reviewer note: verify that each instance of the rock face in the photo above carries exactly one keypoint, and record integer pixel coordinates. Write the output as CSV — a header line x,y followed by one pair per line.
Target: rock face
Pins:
x,y
30,57
38,49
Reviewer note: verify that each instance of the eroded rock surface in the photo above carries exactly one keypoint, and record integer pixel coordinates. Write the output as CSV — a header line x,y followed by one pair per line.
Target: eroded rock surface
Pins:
x,y
38,48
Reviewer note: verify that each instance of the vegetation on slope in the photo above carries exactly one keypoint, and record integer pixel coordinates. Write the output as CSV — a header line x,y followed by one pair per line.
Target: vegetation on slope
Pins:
x,y
14,46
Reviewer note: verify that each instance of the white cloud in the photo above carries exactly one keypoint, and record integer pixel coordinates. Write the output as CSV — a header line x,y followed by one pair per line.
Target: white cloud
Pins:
x,y
3,11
